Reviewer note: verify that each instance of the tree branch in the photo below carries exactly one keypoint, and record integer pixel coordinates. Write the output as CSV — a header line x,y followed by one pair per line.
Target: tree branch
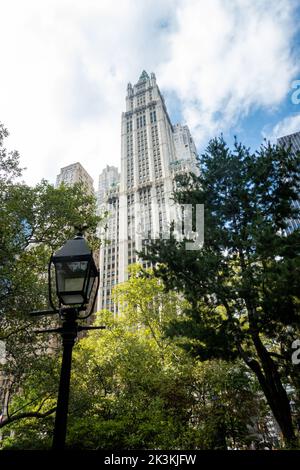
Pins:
x,y
29,414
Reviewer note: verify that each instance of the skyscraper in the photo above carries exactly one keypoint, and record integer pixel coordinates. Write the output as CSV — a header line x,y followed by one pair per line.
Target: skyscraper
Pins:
x,y
108,201
152,152
75,173
294,141
108,178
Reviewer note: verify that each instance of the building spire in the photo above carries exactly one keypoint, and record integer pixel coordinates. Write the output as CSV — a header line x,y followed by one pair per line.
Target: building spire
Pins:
x,y
129,89
144,76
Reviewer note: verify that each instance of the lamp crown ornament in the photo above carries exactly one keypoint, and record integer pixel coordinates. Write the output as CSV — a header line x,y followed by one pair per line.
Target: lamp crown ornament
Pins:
x,y
81,229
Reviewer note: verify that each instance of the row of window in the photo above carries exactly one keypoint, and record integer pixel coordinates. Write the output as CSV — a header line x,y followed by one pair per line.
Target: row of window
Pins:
x,y
143,163
129,161
141,121
109,282
130,199
156,152
152,116
129,126
109,274
141,99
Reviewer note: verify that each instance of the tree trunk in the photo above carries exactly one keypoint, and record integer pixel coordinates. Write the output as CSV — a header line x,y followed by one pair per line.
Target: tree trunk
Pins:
x,y
219,438
274,391
269,379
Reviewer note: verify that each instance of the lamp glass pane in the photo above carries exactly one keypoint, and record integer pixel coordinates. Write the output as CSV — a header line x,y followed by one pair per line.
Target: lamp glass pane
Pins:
x,y
90,286
72,299
70,277
74,284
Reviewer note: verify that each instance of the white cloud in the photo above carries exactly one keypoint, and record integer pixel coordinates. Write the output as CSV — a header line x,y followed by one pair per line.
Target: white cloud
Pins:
x,y
286,126
65,65
64,72
228,57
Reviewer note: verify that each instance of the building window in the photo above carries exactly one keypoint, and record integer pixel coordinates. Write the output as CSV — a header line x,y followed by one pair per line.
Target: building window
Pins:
x,y
152,116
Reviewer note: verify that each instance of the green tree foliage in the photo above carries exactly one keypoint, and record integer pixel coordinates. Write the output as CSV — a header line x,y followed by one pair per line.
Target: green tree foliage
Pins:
x,y
34,222
133,388
243,285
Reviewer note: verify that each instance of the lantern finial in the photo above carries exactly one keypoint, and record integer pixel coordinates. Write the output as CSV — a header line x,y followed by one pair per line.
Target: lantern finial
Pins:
x,y
81,229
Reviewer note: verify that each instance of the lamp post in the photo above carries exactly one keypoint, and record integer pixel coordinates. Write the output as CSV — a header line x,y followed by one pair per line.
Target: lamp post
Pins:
x,y
75,276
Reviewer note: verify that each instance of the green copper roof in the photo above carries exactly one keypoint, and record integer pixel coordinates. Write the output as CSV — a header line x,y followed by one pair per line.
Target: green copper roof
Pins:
x,y
144,76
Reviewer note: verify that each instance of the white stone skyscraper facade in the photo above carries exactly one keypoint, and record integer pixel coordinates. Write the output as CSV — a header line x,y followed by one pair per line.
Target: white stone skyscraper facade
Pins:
x,y
108,178
152,152
108,201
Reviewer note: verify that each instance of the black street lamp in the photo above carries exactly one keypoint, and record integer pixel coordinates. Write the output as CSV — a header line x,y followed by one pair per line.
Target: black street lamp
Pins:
x,y
75,271
75,275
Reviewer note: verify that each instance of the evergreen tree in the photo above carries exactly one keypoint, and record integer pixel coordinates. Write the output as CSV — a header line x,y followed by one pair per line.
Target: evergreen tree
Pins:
x,y
243,285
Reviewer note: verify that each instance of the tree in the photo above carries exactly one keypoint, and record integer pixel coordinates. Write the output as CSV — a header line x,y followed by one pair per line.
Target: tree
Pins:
x,y
133,388
243,285
34,222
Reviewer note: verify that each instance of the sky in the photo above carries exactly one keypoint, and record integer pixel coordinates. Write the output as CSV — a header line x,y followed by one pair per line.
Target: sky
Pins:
x,y
223,66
